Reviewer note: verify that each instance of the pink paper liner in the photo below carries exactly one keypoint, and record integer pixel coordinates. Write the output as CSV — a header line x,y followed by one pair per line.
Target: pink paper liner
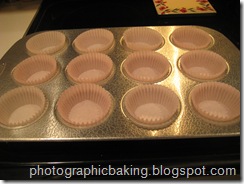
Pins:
x,y
21,106
146,66
217,102
142,38
48,42
151,106
190,38
84,105
35,70
94,40
203,65
90,68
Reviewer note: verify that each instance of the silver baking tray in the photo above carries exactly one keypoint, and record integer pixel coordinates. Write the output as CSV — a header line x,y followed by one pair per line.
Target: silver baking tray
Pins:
x,y
118,126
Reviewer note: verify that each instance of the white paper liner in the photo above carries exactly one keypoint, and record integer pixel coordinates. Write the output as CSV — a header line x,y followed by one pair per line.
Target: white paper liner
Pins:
x,y
90,68
48,42
142,38
84,105
35,70
21,106
94,40
190,38
216,101
146,66
203,65
151,106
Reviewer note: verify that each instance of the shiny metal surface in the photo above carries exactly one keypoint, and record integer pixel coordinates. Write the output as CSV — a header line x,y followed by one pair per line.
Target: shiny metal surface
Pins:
x,y
118,126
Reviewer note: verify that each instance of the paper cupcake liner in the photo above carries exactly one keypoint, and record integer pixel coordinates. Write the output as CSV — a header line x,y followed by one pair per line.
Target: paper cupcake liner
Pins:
x,y
21,106
48,42
90,68
203,65
190,38
216,101
142,39
84,105
94,40
146,66
35,70
151,106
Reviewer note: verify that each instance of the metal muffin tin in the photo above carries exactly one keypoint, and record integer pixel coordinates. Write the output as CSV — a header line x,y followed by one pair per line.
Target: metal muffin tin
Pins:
x,y
118,126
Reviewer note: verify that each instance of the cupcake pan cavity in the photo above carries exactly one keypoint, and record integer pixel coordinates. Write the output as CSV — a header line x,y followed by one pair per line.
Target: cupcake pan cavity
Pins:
x,y
217,102
21,106
141,38
146,66
113,121
191,38
151,106
84,105
35,70
94,40
90,68
48,42
203,65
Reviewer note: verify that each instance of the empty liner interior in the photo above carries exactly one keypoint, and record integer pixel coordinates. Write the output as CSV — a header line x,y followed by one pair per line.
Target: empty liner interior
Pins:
x,y
216,101
141,38
203,65
146,66
191,38
151,106
48,42
84,105
21,106
35,70
94,40
90,68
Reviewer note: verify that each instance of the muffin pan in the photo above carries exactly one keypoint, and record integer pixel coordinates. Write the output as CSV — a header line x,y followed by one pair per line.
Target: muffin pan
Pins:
x,y
119,98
